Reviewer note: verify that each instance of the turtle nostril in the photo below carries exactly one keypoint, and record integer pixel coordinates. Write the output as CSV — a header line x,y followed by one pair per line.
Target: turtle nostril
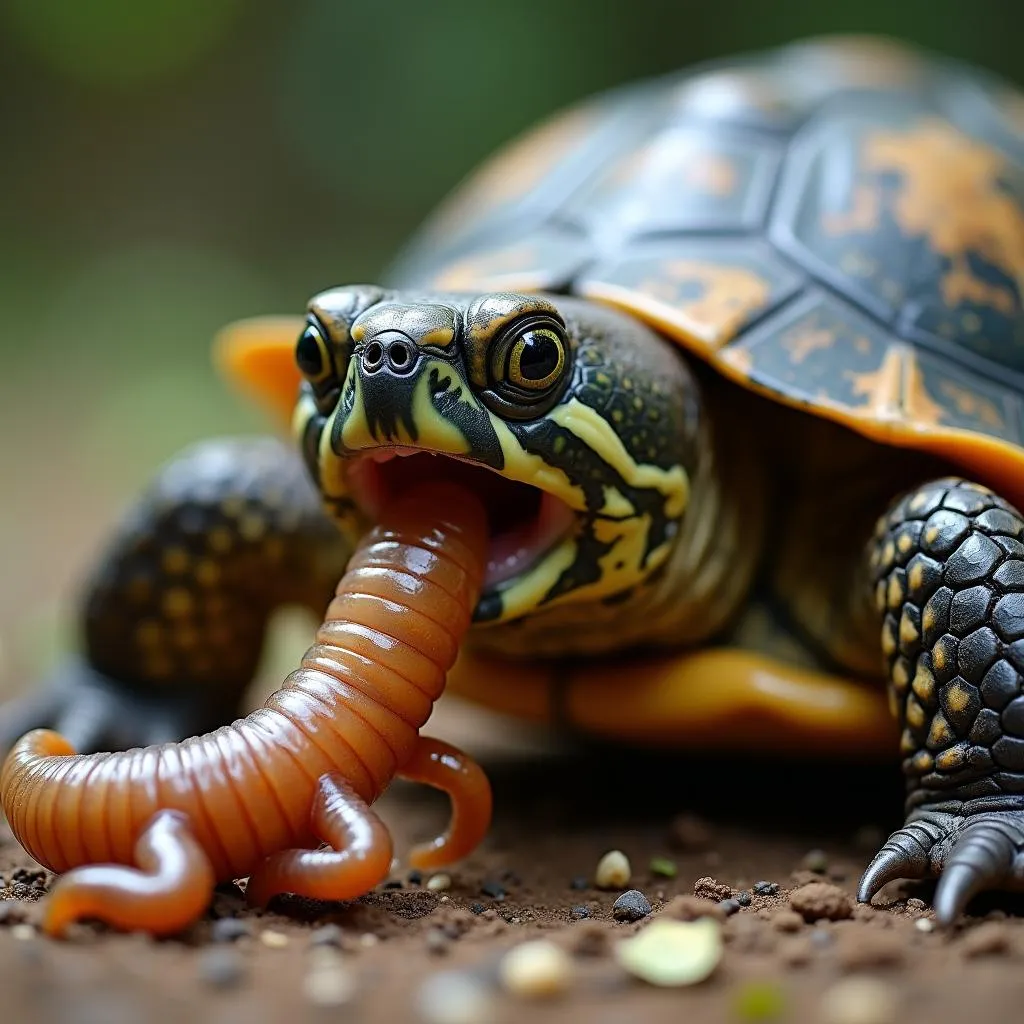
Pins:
x,y
373,356
400,356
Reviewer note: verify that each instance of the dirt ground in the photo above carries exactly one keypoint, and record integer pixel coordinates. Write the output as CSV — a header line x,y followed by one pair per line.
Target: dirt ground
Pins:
x,y
558,809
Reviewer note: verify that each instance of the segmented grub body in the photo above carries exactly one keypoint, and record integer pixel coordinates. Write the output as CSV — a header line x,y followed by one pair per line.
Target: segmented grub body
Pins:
x,y
353,710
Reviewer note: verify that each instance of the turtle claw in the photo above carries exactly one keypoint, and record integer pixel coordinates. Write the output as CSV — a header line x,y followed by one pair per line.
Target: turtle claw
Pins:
x,y
967,853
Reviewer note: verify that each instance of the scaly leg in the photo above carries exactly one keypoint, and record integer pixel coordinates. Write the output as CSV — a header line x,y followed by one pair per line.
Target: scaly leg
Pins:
x,y
948,569
444,767
166,891
176,611
359,856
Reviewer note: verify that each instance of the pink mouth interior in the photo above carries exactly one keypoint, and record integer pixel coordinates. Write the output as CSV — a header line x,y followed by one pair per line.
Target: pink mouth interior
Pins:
x,y
525,522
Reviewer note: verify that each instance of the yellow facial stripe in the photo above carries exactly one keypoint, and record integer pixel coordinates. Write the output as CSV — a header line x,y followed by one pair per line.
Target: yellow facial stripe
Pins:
x,y
435,431
595,432
529,590
531,469
616,504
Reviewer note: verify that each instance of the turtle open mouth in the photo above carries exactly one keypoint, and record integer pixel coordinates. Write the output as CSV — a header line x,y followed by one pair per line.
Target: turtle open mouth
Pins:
x,y
525,522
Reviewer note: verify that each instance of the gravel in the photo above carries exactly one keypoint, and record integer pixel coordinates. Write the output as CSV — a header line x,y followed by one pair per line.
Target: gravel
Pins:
x,y
632,905
613,870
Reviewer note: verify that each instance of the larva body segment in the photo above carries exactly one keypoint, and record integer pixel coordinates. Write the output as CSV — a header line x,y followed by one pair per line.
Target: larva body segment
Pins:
x,y
299,771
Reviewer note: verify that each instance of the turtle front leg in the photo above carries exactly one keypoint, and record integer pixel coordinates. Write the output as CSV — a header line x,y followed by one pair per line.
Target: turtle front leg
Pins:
x,y
947,565
174,615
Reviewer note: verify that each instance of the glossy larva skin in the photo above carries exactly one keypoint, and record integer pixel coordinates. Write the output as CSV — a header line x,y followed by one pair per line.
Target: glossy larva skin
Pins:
x,y
257,797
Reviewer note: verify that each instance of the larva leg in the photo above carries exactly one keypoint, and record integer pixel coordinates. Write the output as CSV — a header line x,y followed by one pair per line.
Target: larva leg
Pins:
x,y
359,856
166,891
175,612
444,767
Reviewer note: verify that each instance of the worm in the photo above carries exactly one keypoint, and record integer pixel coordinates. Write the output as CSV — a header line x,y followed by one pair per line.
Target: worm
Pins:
x,y
144,835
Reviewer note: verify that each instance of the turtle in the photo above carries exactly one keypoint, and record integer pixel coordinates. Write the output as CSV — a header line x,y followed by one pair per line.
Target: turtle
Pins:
x,y
735,357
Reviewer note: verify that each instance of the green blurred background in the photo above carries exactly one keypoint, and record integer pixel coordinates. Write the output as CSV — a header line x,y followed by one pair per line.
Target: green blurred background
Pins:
x,y
170,165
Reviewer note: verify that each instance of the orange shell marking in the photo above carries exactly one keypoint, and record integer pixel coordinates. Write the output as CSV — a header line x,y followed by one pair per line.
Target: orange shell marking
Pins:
x,y
258,356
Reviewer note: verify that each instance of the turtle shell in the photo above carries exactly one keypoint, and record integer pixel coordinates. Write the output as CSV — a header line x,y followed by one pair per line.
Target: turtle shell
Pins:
x,y
838,224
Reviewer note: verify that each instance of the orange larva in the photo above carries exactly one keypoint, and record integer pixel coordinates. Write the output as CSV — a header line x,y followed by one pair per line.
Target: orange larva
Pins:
x,y
145,834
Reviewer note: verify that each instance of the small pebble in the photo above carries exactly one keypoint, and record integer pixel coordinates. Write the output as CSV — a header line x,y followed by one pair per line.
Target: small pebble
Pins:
x,y
859,1001
437,942
23,932
536,970
632,905
787,921
819,900
744,899
580,911
368,940
711,889
924,924
916,904
663,867
229,929
988,939
613,870
690,833
327,935
221,966
766,888
477,908
330,982
273,940
729,907
579,882
455,997
494,890
440,882
816,861
673,953
415,877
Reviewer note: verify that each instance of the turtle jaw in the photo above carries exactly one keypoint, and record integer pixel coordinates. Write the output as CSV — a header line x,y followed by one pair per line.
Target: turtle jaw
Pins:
x,y
528,526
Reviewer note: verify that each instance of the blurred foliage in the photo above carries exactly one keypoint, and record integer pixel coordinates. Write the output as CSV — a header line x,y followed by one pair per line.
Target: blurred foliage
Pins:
x,y
173,164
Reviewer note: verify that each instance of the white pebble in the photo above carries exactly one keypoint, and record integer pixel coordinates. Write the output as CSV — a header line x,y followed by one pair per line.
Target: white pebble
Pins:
x,y
859,1001
613,871
438,883
23,932
536,970
274,940
368,940
673,953
330,982
924,924
453,997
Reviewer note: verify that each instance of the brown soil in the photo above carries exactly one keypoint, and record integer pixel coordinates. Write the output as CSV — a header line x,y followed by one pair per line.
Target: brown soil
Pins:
x,y
809,829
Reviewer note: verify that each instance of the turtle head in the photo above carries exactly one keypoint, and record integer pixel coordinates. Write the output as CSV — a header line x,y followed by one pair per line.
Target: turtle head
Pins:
x,y
575,423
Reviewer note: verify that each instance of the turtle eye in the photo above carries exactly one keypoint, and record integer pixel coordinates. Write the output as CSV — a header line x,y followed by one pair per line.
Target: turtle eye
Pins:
x,y
528,367
535,359
313,355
